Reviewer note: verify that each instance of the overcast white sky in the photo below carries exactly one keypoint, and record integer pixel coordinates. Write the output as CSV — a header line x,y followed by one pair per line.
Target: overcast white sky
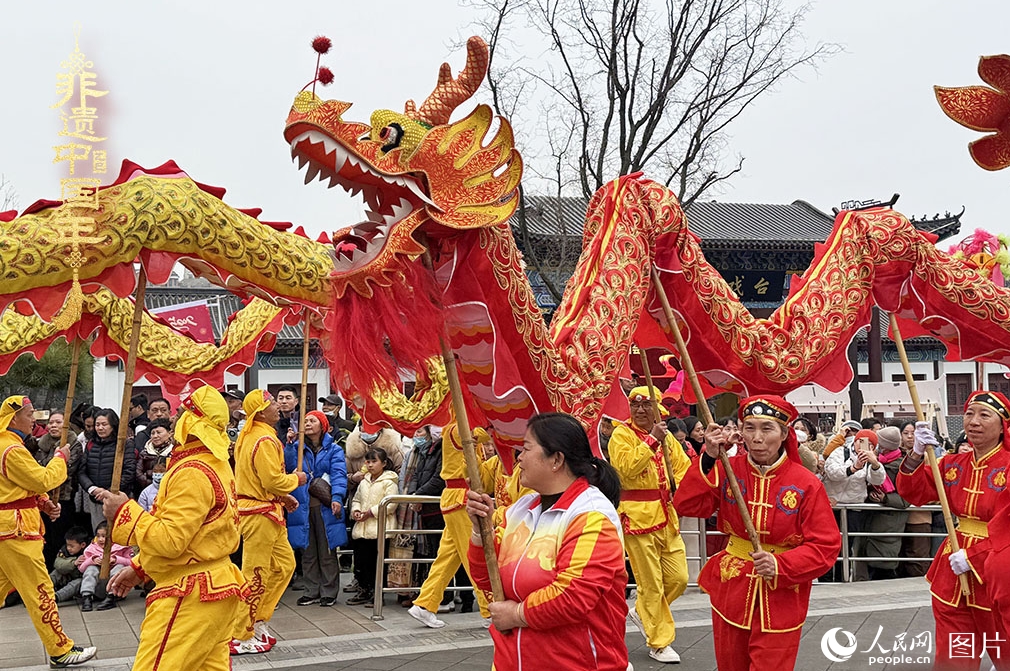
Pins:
x,y
209,84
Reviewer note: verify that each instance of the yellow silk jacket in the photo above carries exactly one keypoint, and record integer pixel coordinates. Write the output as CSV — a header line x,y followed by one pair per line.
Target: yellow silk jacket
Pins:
x,y
259,473
646,499
23,485
186,539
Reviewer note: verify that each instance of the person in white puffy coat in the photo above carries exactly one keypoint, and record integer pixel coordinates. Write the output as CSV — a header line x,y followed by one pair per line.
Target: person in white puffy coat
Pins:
x,y
381,481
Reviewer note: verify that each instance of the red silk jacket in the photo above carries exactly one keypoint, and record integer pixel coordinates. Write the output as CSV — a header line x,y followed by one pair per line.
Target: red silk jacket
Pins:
x,y
794,521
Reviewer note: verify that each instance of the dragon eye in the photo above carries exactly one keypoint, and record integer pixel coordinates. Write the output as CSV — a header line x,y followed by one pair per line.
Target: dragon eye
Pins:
x,y
391,136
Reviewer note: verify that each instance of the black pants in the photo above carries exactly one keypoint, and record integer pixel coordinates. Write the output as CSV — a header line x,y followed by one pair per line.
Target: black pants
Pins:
x,y
366,554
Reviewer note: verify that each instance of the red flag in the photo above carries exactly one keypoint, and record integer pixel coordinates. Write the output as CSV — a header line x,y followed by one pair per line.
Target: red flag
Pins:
x,y
192,318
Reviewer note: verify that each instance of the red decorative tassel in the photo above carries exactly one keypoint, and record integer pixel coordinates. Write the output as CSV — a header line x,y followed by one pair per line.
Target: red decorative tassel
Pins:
x,y
321,44
325,76
371,339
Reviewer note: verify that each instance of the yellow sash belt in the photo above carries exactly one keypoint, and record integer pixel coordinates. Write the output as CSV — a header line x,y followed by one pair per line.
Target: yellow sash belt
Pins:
x,y
971,527
741,547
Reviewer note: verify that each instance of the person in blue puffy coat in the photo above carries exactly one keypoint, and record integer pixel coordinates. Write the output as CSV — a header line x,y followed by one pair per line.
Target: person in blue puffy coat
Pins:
x,y
317,526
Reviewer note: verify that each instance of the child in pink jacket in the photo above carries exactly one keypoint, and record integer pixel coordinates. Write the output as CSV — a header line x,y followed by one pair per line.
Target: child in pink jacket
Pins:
x,y
90,564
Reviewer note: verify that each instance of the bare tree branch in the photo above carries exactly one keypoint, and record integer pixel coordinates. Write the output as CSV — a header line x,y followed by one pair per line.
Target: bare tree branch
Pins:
x,y
8,195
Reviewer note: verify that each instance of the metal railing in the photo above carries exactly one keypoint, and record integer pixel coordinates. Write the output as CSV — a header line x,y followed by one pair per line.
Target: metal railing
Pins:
x,y
384,533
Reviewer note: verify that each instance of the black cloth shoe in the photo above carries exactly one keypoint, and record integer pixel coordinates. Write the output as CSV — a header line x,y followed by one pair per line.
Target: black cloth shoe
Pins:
x,y
364,597
327,601
86,603
308,600
108,603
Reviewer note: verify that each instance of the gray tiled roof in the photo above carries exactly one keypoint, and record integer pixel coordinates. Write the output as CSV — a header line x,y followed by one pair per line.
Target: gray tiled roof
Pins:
x,y
719,223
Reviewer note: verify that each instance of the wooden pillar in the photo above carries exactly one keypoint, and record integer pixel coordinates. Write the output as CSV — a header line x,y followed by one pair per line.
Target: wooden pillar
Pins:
x,y
874,349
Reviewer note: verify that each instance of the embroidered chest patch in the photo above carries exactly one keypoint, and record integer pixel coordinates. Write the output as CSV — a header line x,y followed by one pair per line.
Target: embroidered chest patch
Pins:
x,y
997,479
788,500
952,475
727,491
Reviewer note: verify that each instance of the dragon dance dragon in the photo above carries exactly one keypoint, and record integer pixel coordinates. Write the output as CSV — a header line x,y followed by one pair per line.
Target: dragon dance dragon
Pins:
x,y
435,257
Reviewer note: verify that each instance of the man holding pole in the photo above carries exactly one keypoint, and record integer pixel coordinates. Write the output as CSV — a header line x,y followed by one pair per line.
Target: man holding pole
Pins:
x,y
973,482
185,546
23,487
760,597
264,492
643,452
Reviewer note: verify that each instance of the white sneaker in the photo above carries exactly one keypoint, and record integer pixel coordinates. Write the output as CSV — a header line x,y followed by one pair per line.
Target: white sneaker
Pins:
x,y
665,655
73,656
263,634
631,667
636,620
425,617
487,622
446,607
251,647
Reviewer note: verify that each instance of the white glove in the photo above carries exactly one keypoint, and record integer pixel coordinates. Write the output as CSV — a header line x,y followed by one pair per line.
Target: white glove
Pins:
x,y
923,436
959,562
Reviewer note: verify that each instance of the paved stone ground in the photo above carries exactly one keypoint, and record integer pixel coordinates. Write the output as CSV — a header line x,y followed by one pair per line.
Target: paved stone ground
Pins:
x,y
344,637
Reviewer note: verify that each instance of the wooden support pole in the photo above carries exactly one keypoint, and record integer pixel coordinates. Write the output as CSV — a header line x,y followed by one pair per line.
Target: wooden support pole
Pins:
x,y
124,414
68,405
704,412
930,455
305,387
469,457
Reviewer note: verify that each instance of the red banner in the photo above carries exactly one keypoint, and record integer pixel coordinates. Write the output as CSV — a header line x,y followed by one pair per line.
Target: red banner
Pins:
x,y
192,318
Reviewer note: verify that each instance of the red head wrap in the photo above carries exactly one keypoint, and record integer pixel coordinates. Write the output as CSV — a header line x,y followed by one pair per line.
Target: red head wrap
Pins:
x,y
778,410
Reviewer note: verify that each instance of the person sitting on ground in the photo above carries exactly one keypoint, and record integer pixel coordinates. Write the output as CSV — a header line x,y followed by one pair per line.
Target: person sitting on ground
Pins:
x,y
146,498
380,482
89,564
65,575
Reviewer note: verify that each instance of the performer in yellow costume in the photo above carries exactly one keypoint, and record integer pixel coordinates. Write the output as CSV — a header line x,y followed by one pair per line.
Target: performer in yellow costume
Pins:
x,y
651,527
264,491
23,487
455,543
185,543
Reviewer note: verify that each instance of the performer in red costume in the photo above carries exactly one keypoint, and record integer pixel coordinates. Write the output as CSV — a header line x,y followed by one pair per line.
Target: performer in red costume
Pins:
x,y
561,559
760,599
973,482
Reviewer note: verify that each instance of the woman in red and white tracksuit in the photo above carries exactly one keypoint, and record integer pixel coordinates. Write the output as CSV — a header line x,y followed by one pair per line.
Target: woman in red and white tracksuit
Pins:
x,y
560,555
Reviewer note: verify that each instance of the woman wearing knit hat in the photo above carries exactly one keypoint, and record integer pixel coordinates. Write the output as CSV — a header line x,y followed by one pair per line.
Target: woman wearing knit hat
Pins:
x,y
318,523
23,487
185,545
974,484
893,517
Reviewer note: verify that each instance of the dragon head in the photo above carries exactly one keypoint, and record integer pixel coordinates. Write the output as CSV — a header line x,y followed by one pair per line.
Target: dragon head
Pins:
x,y
421,176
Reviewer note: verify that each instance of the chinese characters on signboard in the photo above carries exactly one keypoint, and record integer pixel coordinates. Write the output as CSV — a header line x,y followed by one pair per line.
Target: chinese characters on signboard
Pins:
x,y
756,285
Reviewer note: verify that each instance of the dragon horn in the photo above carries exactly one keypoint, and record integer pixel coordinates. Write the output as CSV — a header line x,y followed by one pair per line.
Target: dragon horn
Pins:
x,y
449,92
